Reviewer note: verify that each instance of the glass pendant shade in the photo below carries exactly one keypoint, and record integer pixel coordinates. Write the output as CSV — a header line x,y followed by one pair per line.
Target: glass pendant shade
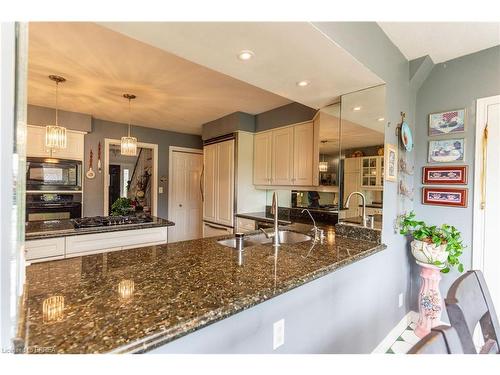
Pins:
x,y
53,308
55,137
323,166
128,146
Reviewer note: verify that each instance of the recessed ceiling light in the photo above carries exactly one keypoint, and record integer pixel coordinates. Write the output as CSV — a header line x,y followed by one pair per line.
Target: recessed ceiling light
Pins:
x,y
356,109
303,83
381,119
245,55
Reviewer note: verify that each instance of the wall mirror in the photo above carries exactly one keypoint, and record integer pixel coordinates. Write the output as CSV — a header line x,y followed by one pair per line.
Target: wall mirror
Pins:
x,y
361,167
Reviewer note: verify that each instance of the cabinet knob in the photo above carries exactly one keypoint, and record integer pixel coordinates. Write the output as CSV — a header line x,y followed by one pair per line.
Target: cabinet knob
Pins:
x,y
180,205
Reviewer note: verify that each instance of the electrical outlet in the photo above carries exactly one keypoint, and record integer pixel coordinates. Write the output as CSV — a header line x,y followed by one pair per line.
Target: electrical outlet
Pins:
x,y
160,190
401,299
278,333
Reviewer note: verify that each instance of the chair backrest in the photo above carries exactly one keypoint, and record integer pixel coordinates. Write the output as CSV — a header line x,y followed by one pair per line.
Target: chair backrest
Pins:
x,y
441,340
469,303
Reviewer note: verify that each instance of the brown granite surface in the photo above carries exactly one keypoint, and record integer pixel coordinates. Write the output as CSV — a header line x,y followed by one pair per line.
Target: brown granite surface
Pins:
x,y
36,230
135,300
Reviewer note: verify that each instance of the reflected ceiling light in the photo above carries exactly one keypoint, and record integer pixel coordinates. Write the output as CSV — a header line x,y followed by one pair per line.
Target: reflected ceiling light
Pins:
x,y
128,144
381,119
245,55
303,83
55,135
52,309
126,289
323,166
356,109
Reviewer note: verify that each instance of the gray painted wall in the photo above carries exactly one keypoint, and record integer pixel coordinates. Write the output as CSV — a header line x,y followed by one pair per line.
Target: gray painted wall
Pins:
x,y
228,124
93,194
72,120
451,85
330,314
285,115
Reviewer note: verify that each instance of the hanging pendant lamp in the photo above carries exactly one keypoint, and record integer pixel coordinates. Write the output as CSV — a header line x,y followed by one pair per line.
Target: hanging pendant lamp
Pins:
x,y
128,145
55,135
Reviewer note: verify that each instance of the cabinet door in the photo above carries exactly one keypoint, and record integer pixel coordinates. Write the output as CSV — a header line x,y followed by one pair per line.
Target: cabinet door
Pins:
x,y
213,230
35,145
50,248
262,159
303,139
35,142
225,183
75,147
282,156
351,183
209,182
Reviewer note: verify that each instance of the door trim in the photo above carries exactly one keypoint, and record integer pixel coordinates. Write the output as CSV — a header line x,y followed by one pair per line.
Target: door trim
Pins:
x,y
154,182
478,214
171,150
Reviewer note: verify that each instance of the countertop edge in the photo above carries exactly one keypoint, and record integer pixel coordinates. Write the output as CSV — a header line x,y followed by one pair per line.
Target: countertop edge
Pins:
x,y
158,339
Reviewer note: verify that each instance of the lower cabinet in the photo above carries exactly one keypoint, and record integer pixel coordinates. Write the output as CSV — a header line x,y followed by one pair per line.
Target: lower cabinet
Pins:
x,y
213,230
244,225
84,244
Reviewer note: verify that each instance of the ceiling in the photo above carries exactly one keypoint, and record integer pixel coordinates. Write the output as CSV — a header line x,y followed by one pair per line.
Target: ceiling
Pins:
x,y
285,53
442,41
100,65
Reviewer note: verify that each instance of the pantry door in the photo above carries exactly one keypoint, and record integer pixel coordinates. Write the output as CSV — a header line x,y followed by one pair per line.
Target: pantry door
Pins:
x,y
185,194
485,252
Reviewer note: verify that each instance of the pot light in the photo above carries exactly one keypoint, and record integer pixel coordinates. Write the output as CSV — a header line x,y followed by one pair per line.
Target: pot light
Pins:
x,y
381,119
303,83
245,55
356,109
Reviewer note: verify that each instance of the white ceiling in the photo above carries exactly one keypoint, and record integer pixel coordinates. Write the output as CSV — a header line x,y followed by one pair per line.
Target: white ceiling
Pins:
x,y
100,65
285,53
442,41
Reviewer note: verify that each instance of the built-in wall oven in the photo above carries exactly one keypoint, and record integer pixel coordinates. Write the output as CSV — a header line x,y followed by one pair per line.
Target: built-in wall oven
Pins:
x,y
48,174
53,206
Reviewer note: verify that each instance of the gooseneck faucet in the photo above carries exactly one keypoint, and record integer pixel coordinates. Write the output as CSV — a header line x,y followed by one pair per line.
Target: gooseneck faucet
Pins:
x,y
318,233
363,199
274,211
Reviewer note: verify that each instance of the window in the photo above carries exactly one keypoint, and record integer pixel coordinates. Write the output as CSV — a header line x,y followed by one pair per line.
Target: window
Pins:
x,y
125,182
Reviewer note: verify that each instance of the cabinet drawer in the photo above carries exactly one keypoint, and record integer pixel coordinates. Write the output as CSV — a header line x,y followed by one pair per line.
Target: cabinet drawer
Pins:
x,y
50,248
213,230
115,240
245,225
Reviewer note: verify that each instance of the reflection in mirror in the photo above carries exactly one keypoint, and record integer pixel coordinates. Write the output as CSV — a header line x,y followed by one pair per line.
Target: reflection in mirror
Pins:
x,y
329,143
361,167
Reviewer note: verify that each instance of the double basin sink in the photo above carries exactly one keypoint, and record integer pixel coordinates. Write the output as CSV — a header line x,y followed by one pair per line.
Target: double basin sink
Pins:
x,y
285,237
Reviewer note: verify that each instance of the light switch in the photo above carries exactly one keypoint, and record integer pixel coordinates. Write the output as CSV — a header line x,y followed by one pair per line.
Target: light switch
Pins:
x,y
160,190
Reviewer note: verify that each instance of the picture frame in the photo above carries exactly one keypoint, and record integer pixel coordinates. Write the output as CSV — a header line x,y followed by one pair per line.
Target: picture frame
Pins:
x,y
391,162
446,150
447,122
444,175
445,196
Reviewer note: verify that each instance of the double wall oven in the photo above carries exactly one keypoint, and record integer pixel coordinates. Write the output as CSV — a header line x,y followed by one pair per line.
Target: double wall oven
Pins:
x,y
53,189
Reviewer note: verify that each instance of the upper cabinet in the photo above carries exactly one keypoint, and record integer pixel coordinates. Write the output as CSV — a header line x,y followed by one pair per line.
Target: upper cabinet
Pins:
x,y
284,156
372,172
35,144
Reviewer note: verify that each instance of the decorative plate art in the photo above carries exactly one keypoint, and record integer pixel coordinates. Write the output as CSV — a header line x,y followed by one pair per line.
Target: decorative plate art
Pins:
x,y
446,150
448,122
444,197
444,175
406,137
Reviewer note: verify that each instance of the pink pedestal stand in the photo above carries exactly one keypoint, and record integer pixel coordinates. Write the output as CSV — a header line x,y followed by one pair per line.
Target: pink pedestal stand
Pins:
x,y
430,303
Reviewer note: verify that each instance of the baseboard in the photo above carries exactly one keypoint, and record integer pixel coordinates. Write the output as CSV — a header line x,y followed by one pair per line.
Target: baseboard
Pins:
x,y
386,343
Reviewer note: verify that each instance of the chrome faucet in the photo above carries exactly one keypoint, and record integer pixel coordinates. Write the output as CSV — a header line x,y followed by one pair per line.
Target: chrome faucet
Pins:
x,y
274,211
318,233
363,199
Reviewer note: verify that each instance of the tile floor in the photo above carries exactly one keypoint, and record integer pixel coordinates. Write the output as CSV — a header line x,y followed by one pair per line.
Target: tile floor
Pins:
x,y
404,342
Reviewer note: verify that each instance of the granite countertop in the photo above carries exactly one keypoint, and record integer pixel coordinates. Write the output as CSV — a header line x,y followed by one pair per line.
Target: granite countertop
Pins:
x,y
36,230
138,299
262,216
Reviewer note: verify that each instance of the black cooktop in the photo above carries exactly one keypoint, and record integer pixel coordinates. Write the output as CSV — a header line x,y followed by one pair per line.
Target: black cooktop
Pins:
x,y
103,221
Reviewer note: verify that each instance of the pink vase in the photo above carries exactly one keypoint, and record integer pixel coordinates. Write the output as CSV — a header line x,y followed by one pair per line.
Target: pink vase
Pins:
x,y
430,303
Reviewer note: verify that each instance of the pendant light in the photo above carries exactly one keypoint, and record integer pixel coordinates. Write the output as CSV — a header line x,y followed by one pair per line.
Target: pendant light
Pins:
x,y
55,135
128,144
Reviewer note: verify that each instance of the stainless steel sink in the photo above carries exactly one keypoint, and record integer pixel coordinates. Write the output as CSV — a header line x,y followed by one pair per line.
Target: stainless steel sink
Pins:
x,y
231,242
286,237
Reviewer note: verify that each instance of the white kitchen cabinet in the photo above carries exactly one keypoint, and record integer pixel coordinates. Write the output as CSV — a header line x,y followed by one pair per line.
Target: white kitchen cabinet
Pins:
x,y
262,166
214,230
352,170
35,144
282,156
303,150
244,225
218,204
372,172
44,249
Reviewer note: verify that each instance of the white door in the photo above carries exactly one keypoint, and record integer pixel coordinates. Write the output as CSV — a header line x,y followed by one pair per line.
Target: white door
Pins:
x,y
262,159
282,159
186,195
486,255
303,141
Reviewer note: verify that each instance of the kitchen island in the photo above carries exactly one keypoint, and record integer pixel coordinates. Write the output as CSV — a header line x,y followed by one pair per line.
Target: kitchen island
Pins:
x,y
140,299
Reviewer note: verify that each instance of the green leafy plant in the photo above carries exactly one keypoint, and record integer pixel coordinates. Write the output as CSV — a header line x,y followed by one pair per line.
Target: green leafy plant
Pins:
x,y
121,206
443,235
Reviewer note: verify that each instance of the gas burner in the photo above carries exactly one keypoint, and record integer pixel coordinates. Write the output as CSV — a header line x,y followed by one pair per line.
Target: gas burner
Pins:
x,y
103,221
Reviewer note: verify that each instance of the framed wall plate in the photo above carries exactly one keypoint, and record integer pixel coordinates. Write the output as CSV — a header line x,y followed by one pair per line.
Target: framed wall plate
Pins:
x,y
442,196
452,175
446,150
448,122
406,137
